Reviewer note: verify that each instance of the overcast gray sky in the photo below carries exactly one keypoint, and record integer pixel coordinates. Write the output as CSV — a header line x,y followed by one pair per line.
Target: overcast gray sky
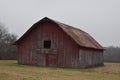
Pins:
x,y
100,18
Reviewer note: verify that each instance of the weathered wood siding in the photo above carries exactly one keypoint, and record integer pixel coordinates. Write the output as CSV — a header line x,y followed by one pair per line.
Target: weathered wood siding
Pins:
x,y
89,57
63,52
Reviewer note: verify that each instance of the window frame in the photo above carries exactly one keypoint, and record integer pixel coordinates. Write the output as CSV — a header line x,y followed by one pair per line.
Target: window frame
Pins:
x,y
47,44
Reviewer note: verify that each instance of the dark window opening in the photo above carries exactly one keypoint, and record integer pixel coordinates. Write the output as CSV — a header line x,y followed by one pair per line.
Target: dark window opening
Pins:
x,y
47,44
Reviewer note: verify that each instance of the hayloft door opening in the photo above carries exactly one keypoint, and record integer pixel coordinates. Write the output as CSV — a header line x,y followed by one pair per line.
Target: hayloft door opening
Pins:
x,y
47,44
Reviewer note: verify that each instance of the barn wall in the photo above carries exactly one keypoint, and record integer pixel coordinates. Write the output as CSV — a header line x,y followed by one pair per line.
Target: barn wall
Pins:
x,y
89,57
26,50
63,52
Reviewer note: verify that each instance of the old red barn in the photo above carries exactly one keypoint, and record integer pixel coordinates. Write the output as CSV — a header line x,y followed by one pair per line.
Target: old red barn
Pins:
x,y
52,43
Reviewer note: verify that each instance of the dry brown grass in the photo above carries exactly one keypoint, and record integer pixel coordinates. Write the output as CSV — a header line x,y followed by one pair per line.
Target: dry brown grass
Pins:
x,y
10,70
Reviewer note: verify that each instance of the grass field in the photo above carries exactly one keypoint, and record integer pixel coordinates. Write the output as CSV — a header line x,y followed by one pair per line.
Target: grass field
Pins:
x,y
10,70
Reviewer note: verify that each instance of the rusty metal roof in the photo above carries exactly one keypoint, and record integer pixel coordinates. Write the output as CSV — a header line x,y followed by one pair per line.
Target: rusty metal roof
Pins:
x,y
82,38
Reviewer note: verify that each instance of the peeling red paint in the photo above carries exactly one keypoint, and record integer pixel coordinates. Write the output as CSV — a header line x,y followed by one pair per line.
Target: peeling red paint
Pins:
x,y
64,51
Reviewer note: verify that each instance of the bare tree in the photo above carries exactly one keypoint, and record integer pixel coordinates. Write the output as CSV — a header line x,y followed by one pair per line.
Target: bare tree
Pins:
x,y
7,50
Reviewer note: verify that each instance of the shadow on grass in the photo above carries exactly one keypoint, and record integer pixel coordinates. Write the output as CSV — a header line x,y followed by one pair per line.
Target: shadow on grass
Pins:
x,y
92,69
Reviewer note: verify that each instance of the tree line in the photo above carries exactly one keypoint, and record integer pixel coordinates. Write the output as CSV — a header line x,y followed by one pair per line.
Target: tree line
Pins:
x,y
7,50
112,54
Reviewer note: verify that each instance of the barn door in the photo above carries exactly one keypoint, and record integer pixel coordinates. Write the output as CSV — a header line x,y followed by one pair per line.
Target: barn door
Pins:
x,y
51,60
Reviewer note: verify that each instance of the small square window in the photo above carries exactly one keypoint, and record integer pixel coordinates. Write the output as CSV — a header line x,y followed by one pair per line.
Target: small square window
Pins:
x,y
47,44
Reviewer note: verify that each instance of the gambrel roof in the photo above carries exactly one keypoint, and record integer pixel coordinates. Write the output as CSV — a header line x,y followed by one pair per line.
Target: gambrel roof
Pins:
x,y
82,38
